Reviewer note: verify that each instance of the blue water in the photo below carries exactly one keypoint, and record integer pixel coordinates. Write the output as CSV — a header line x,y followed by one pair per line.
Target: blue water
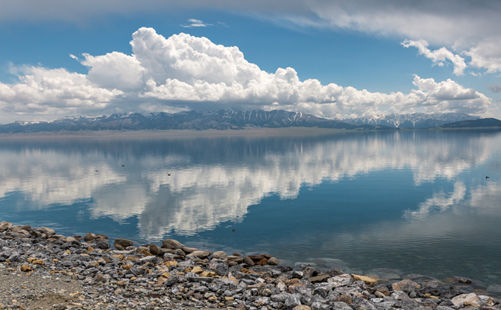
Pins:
x,y
383,203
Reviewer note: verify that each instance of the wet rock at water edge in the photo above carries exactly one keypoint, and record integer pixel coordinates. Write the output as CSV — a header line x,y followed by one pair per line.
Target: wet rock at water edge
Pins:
x,y
122,244
172,244
199,254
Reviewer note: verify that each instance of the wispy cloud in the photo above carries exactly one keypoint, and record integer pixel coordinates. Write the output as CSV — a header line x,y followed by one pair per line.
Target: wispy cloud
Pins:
x,y
195,23
438,56
495,88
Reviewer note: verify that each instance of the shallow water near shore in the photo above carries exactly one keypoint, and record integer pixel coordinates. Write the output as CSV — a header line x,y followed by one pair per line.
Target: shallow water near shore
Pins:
x,y
384,203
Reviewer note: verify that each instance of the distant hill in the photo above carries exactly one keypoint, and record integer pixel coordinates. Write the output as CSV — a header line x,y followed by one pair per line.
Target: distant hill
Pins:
x,y
411,120
231,119
226,119
477,123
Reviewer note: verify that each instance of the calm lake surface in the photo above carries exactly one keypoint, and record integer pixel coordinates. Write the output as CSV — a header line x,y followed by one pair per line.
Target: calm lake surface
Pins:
x,y
387,203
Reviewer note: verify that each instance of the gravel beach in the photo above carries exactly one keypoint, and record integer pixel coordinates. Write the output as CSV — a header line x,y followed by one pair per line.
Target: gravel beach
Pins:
x,y
40,269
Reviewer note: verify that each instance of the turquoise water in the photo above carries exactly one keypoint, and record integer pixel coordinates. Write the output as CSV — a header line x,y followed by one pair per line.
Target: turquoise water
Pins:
x,y
381,203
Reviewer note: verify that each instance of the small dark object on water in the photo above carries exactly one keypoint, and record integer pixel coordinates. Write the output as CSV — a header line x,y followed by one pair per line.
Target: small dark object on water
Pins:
x,y
168,174
233,230
487,177
97,170
123,165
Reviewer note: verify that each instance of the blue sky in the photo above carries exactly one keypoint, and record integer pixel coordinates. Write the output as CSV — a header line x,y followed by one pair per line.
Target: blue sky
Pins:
x,y
40,81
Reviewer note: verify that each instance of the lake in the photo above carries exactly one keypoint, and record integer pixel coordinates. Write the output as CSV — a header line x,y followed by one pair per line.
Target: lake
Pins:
x,y
383,203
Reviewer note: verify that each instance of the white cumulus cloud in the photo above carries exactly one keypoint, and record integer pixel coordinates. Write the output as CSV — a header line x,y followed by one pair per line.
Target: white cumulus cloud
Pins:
x,y
184,71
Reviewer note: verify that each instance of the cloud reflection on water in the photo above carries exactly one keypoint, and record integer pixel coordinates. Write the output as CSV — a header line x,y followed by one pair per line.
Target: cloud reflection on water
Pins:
x,y
192,185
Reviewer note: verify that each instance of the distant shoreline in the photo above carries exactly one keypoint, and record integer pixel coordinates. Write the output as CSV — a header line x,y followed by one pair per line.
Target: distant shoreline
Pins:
x,y
213,133
181,133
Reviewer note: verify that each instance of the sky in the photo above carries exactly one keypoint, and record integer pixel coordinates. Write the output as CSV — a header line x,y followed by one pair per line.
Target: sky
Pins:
x,y
334,59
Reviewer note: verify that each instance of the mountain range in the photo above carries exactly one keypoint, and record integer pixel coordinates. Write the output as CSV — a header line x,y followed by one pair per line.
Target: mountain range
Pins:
x,y
231,119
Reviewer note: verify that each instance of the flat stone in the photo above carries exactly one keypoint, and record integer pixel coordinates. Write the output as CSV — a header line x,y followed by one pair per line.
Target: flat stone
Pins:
x,y
319,278
464,300
172,244
219,255
199,254
301,307
188,250
341,280
367,279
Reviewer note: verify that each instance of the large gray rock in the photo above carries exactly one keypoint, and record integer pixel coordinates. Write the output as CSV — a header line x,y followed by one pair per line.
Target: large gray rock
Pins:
x,y
341,280
464,300
219,266
292,300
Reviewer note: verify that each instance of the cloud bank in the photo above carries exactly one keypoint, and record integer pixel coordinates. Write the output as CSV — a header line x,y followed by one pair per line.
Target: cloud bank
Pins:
x,y
185,72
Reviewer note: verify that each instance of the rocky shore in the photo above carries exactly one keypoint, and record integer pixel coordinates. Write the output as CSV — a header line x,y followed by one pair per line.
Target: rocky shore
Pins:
x,y
40,269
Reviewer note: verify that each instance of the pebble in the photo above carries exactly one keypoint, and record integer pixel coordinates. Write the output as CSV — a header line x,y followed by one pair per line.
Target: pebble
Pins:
x,y
177,277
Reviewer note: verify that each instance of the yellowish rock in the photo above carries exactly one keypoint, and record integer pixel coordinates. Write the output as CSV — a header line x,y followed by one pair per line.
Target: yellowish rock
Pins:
x,y
35,261
171,263
26,268
208,274
165,274
67,252
126,267
212,298
428,295
229,298
55,260
367,279
197,269
118,256
161,280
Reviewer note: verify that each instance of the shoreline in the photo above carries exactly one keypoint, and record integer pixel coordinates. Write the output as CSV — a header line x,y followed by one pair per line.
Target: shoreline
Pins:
x,y
181,133
251,133
40,269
